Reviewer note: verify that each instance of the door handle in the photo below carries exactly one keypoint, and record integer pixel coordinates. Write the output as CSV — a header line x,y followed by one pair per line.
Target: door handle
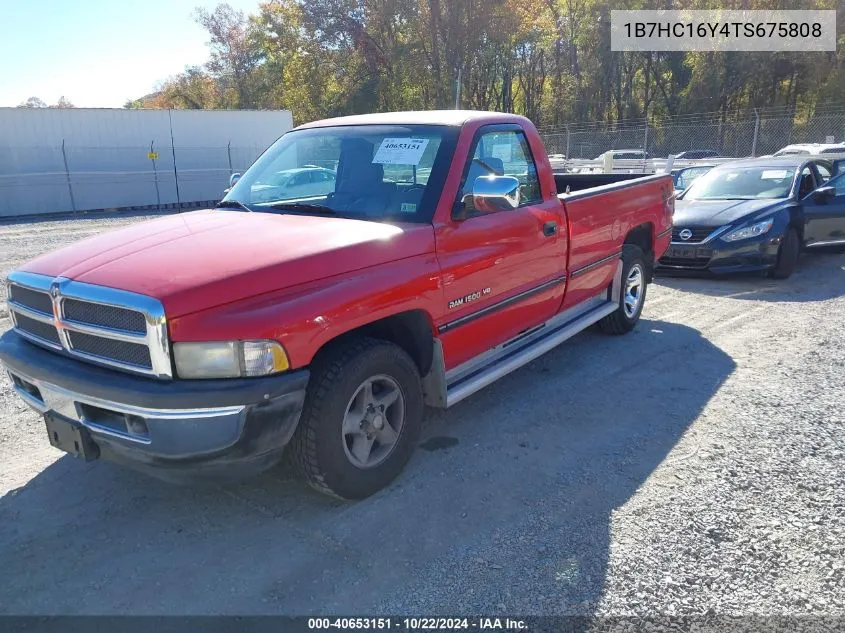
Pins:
x,y
549,229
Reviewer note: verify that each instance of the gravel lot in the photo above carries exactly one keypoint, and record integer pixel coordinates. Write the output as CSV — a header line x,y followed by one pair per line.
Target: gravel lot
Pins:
x,y
694,466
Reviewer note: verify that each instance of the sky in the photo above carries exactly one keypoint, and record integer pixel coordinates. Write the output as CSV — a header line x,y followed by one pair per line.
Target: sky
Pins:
x,y
97,53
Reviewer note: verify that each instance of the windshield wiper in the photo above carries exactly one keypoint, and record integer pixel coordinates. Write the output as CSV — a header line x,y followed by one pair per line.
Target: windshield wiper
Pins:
x,y
301,206
231,204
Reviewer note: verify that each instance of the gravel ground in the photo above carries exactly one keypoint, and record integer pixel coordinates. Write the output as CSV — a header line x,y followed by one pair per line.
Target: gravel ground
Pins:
x,y
692,467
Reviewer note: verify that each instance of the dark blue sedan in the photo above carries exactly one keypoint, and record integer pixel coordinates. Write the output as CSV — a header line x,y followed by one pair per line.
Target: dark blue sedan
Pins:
x,y
757,215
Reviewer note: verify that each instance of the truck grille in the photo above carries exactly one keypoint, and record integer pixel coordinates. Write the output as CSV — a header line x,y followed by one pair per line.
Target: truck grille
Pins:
x,y
39,329
103,315
129,353
96,324
31,299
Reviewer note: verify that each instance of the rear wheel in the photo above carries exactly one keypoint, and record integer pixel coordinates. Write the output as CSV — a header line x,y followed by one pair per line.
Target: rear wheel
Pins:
x,y
632,297
790,249
361,419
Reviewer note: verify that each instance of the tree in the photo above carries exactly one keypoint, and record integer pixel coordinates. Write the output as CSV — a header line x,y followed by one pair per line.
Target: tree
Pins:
x,y
550,60
234,56
33,102
63,102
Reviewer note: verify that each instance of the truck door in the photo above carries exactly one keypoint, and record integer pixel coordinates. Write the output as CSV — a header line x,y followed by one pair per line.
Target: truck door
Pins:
x,y
824,212
503,270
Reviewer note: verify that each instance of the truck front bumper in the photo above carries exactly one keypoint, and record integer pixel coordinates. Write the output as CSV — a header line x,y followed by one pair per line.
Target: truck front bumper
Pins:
x,y
178,430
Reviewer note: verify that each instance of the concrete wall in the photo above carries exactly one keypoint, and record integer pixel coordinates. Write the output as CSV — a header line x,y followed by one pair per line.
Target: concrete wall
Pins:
x,y
61,160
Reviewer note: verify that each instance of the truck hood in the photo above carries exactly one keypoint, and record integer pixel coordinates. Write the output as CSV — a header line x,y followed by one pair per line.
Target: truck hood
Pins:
x,y
201,259
718,212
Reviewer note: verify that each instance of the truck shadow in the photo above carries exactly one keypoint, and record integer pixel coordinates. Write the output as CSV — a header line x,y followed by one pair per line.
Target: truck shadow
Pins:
x,y
509,513
818,277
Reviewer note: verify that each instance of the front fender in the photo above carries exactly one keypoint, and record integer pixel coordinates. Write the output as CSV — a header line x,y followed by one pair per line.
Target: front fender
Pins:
x,y
306,317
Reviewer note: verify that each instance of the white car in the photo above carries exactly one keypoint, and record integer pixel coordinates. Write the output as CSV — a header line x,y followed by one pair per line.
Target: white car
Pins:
x,y
811,149
625,154
299,182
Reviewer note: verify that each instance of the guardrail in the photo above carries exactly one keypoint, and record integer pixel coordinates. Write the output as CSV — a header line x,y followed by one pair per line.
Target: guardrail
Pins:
x,y
629,166
656,165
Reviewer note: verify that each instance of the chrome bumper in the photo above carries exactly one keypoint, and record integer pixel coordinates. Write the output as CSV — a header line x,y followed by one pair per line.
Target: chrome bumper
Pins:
x,y
164,432
179,430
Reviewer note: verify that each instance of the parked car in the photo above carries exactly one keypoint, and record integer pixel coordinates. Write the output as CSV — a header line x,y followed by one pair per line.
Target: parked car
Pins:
x,y
683,177
200,345
807,149
297,182
697,154
757,215
625,154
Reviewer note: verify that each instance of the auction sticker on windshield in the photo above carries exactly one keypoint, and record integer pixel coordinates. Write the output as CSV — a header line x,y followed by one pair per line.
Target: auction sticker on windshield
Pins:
x,y
400,151
773,174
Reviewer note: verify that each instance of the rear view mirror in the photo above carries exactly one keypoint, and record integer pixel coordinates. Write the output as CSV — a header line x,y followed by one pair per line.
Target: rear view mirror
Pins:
x,y
823,195
233,179
495,193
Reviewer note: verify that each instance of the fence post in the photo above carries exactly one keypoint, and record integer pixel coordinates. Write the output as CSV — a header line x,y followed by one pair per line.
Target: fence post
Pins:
x,y
67,177
155,174
756,133
566,159
229,152
645,142
173,153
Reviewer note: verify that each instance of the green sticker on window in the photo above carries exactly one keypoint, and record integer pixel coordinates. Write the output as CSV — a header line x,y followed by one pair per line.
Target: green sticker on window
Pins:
x,y
408,207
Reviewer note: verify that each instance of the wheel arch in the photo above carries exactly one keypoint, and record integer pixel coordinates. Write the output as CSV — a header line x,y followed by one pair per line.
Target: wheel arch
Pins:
x,y
642,235
412,331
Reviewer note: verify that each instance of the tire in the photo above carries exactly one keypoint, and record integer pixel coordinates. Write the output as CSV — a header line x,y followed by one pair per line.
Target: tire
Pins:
x,y
790,249
325,450
623,320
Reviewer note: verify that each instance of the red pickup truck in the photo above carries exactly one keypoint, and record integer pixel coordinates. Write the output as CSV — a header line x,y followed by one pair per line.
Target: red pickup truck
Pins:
x,y
362,268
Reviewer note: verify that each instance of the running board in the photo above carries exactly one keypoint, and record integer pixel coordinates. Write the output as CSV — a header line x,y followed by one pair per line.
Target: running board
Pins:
x,y
523,350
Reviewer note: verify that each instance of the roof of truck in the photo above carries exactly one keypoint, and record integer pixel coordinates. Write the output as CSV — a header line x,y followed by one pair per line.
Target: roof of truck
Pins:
x,y
423,117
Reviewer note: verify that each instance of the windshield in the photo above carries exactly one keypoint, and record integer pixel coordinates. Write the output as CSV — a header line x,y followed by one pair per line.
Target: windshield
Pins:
x,y
742,184
367,171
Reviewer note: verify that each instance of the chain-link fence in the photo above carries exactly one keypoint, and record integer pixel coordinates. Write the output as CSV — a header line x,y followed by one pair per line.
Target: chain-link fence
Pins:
x,y
749,133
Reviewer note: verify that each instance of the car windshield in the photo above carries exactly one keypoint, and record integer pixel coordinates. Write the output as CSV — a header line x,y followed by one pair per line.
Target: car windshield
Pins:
x,y
367,171
744,183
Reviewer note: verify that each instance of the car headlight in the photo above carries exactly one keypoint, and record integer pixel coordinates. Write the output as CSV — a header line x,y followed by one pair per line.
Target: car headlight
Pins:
x,y
229,359
749,231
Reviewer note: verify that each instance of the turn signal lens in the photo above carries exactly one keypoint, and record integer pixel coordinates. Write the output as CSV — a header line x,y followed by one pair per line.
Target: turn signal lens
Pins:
x,y
263,357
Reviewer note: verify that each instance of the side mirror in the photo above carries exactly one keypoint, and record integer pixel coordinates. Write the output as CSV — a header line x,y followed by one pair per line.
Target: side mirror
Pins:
x,y
823,195
233,179
495,193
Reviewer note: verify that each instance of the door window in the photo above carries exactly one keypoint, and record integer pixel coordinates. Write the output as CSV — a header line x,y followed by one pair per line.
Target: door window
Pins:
x,y
823,173
839,184
504,153
806,182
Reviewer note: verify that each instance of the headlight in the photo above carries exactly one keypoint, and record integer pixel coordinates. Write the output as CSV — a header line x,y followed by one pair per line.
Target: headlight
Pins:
x,y
749,231
229,359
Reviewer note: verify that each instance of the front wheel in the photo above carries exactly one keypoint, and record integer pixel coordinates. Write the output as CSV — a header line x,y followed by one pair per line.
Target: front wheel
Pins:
x,y
788,253
632,296
361,419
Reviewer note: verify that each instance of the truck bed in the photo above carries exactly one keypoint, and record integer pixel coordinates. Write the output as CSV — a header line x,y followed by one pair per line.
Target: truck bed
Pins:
x,y
570,183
